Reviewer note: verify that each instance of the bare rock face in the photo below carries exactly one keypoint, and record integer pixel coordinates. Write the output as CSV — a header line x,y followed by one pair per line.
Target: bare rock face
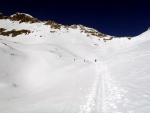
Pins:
x,y
20,17
13,32
74,26
94,33
53,24
49,22
2,30
1,16
23,18
88,31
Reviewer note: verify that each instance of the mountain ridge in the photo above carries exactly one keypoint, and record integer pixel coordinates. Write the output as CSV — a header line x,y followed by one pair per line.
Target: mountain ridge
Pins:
x,y
23,17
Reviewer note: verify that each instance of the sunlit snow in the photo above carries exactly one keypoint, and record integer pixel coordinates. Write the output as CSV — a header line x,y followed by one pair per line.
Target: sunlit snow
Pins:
x,y
66,71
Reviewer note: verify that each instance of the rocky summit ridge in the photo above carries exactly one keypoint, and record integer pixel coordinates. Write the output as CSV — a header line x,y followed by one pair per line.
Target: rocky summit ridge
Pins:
x,y
26,18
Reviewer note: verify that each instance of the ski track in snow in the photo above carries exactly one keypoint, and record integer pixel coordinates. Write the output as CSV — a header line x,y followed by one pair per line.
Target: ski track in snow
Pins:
x,y
106,95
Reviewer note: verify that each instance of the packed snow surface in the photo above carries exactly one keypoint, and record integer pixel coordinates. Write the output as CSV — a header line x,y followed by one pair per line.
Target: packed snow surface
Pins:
x,y
66,71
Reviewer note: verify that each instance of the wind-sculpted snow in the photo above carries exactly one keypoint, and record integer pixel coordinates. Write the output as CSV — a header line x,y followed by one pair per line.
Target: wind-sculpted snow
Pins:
x,y
65,71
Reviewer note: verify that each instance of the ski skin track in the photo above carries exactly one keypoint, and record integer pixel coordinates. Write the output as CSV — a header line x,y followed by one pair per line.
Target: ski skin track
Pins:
x,y
95,100
104,94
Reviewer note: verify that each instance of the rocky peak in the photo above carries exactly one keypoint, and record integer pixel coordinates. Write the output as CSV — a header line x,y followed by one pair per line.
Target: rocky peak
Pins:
x,y
53,24
88,31
21,17
13,32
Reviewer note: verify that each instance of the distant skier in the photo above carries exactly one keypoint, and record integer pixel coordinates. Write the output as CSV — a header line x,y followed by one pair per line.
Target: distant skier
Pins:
x,y
95,60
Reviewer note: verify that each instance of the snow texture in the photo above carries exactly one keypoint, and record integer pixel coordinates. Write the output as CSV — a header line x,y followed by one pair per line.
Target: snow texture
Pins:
x,y
66,71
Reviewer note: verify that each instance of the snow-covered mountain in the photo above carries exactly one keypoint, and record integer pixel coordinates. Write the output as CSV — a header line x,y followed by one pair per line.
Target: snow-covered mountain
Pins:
x,y
46,67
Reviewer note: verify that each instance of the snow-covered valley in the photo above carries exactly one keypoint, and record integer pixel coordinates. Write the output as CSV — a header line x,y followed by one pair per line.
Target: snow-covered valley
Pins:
x,y
73,69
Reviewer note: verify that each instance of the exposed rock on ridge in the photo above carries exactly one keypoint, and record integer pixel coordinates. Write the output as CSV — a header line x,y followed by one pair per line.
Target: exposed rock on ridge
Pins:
x,y
13,32
21,17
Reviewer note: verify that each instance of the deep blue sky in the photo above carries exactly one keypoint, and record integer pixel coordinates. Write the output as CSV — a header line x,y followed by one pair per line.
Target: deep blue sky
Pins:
x,y
112,17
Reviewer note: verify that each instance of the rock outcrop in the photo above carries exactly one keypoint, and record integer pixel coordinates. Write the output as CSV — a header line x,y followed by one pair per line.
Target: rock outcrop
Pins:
x,y
1,16
53,24
88,31
21,17
13,32
2,30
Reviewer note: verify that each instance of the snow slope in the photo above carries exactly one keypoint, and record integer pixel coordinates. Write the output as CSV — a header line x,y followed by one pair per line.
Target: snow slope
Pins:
x,y
65,71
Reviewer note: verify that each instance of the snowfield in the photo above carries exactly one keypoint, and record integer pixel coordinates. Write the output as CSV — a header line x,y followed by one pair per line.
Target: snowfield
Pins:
x,y
65,71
